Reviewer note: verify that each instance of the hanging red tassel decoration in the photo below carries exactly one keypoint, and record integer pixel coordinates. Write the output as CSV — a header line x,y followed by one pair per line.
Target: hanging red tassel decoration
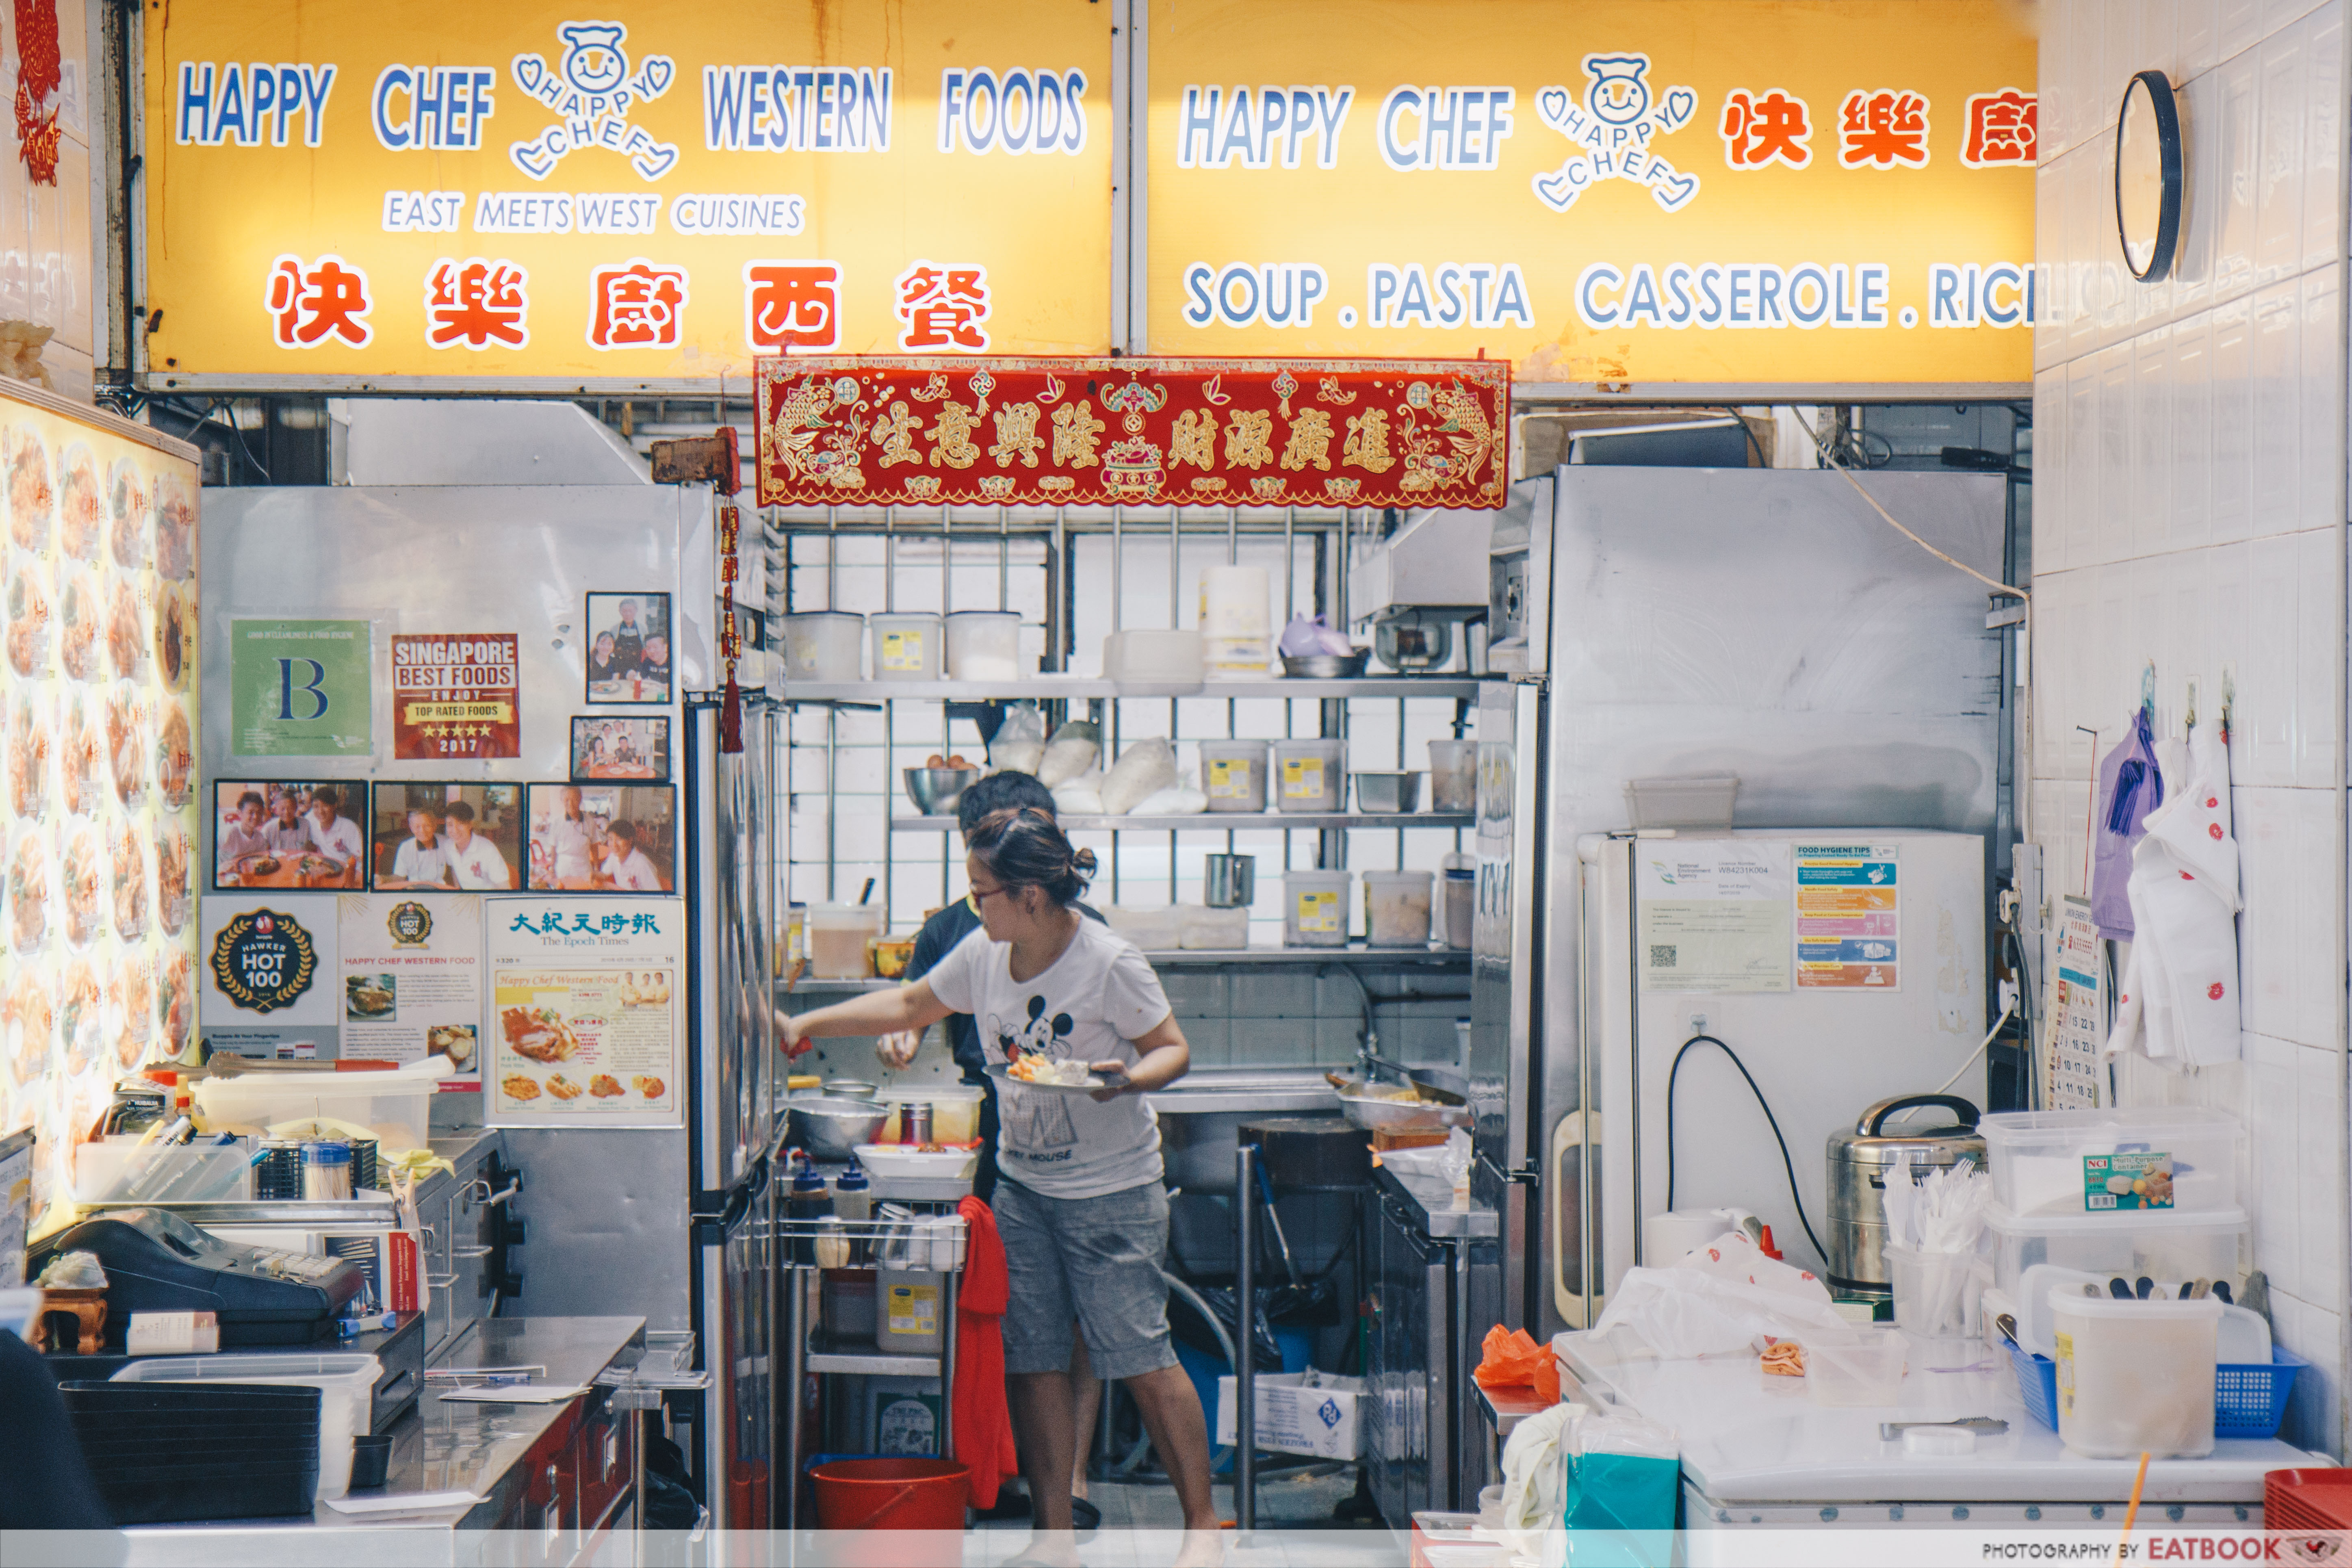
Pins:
x,y
731,639
40,72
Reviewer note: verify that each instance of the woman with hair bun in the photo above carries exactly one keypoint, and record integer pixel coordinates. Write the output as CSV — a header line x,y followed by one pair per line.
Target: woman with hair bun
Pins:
x,y
1078,1199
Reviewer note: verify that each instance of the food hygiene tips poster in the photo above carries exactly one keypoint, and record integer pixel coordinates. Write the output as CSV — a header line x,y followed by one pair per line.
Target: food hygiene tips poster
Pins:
x,y
409,981
585,1015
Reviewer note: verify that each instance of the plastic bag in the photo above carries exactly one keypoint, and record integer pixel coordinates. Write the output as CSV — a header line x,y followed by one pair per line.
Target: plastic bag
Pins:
x,y
1020,743
1080,796
1723,1298
1072,751
1509,1359
1533,1495
1146,768
73,1271
1306,636
1624,1483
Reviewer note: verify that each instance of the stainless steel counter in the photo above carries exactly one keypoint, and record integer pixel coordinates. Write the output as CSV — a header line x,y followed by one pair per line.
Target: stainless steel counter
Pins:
x,y
560,1471
1434,1200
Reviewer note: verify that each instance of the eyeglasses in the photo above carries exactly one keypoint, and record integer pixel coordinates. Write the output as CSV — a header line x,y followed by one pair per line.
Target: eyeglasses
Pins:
x,y
981,895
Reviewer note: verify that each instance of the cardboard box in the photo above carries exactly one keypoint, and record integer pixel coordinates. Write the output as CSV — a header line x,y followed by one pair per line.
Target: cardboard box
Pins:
x,y
1311,1413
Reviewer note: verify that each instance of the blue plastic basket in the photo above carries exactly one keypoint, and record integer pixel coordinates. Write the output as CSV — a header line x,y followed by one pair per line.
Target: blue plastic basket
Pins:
x,y
2248,1401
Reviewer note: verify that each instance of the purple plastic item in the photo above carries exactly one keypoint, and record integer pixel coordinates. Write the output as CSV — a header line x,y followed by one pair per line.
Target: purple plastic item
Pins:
x,y
1306,636
2130,786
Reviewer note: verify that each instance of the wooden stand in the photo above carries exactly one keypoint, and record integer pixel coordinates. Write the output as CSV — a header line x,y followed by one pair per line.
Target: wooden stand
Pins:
x,y
88,1306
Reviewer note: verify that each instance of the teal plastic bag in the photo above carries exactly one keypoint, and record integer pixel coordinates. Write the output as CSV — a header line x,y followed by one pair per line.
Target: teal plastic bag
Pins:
x,y
1624,1486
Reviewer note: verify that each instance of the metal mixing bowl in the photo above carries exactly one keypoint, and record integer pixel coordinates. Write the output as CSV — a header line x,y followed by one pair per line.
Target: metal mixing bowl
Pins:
x,y
1385,794
830,1128
850,1088
935,791
1328,666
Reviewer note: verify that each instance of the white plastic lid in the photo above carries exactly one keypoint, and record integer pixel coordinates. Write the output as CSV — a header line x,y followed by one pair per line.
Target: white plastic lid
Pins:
x,y
2108,1222
2132,1120
1318,879
2082,1306
1409,879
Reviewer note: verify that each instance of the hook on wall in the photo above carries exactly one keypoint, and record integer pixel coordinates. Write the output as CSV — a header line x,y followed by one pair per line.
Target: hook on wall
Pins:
x,y
2193,703
2228,699
2147,689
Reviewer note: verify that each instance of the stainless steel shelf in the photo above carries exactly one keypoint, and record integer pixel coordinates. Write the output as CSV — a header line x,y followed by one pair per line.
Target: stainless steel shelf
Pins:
x,y
872,1362
1226,821
1215,957
1050,688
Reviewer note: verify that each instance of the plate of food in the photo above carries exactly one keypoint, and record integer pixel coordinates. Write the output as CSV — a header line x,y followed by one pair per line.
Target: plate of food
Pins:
x,y
1036,1071
539,1033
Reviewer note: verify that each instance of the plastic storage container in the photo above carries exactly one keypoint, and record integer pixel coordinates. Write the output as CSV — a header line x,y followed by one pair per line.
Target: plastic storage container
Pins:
x,y
1935,1298
1867,1370
346,1386
824,644
1233,772
1222,930
2136,1376
1310,775
1453,775
2118,1163
395,1106
1314,908
836,935
1155,928
1237,620
1459,895
2170,1248
1148,663
1396,908
983,645
1703,802
907,1308
905,647
955,1113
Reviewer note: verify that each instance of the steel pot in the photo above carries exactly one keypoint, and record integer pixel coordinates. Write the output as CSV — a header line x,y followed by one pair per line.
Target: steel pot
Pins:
x,y
1859,1160
1231,881
832,1128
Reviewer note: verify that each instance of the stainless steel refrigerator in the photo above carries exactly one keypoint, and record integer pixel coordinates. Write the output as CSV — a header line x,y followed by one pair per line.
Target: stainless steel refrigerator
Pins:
x,y
1758,622
674,1226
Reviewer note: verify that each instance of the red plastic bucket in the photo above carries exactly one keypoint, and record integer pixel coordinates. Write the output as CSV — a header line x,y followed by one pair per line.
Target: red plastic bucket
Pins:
x,y
891,1494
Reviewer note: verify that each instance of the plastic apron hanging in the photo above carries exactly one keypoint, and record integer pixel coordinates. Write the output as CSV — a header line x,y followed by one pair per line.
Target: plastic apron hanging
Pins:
x,y
2178,997
2131,784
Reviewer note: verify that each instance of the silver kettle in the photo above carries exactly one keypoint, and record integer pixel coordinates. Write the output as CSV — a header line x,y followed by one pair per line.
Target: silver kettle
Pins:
x,y
1859,1159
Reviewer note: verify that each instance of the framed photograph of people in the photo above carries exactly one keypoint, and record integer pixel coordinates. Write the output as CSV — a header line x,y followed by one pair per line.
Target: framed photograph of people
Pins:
x,y
446,837
628,647
289,832
605,747
604,838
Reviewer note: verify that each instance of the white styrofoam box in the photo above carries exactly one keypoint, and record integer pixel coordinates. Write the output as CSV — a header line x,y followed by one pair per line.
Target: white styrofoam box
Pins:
x,y
2040,1160
1314,1412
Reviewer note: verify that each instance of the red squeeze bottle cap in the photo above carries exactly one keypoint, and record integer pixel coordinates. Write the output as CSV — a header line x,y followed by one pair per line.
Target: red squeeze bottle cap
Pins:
x,y
1764,1245
161,1075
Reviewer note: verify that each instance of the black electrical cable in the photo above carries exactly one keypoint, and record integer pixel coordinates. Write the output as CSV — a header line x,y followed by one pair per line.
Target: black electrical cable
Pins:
x,y
1787,1163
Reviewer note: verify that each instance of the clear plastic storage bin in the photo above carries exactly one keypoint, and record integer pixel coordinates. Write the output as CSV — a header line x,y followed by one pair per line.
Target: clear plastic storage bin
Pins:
x,y
346,1386
983,645
1310,775
395,1106
2170,1248
2117,1164
1223,930
1453,775
1396,908
1233,772
824,644
905,647
1155,928
2135,1377
835,939
1314,908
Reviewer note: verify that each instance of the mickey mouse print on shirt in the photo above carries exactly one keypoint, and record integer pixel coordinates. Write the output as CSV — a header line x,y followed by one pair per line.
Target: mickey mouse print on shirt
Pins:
x,y
1045,1118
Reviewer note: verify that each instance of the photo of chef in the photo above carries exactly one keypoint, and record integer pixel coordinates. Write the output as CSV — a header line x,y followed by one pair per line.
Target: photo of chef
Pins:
x,y
604,838
282,833
628,647
606,748
446,837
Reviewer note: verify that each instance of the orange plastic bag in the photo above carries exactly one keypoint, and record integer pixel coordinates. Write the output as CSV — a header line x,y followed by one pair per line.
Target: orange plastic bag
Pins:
x,y
1509,1359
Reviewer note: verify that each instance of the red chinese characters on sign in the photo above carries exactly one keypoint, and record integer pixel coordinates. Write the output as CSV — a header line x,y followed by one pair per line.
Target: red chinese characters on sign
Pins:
x,y
311,302
1133,432
456,695
1885,129
942,307
1761,128
637,306
2002,130
477,302
792,305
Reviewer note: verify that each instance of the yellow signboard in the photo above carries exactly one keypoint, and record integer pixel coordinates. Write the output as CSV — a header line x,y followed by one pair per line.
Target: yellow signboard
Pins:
x,y
1721,192
363,192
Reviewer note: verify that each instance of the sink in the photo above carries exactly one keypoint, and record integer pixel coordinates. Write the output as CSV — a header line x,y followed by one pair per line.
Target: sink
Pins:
x,y
1201,1116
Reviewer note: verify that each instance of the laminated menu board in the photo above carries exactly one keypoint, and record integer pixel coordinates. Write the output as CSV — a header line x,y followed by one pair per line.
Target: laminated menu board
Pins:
x,y
586,1012
99,823
410,980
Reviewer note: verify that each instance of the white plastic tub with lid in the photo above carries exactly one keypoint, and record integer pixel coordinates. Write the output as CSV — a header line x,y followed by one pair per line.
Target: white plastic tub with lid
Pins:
x,y
1396,908
1222,930
395,1106
905,647
2170,1248
1314,908
1155,928
1233,775
835,937
2134,1376
2107,1162
983,645
346,1386
824,644
1310,775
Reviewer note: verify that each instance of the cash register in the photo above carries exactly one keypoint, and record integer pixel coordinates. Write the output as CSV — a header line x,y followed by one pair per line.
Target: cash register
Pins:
x,y
157,1262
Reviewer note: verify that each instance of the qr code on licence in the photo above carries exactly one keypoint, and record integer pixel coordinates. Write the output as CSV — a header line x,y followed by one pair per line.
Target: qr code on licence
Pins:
x,y
1661,955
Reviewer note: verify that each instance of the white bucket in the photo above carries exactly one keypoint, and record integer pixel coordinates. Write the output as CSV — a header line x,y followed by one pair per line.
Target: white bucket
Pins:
x,y
2134,1376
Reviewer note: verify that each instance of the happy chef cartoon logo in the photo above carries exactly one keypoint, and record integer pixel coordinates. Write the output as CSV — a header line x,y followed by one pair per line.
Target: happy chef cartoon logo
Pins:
x,y
592,88
1620,116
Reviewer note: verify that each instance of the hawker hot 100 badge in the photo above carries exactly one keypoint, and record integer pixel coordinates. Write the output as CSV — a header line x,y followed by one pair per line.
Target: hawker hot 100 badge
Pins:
x,y
264,960
1620,116
410,923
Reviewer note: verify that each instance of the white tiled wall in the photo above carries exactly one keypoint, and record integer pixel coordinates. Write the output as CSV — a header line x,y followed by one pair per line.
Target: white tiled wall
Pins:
x,y
2189,511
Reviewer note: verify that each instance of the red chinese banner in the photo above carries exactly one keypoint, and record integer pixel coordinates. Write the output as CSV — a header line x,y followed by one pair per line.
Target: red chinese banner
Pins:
x,y
1133,432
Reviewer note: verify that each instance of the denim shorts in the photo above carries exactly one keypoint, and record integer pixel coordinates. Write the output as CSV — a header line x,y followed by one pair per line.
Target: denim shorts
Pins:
x,y
1094,1259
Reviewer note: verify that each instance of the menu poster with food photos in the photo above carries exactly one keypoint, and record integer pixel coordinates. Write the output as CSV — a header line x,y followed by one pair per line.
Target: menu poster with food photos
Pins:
x,y
586,1015
99,815
410,984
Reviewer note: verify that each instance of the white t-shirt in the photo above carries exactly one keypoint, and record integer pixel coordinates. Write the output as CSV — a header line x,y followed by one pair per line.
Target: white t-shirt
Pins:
x,y
568,841
634,872
413,862
479,866
1087,1006
341,841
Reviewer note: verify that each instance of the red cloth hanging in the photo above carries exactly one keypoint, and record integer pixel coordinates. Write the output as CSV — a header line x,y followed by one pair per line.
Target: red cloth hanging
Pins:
x,y
983,1426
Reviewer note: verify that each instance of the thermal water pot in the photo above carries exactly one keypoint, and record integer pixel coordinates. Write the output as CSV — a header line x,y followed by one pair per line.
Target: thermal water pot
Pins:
x,y
1859,1160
